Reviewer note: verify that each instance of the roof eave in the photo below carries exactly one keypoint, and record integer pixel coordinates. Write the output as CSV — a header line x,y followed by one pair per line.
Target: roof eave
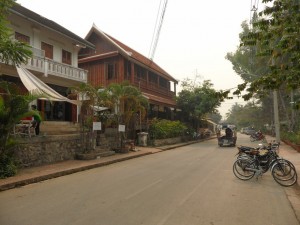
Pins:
x,y
78,42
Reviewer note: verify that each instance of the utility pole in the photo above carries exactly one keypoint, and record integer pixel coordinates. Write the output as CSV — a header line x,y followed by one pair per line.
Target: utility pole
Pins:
x,y
292,124
276,115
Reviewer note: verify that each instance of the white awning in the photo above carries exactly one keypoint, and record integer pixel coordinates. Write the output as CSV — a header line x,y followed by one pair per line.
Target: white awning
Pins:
x,y
37,87
99,108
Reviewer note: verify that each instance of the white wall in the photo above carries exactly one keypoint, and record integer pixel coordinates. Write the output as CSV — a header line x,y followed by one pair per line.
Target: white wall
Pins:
x,y
38,34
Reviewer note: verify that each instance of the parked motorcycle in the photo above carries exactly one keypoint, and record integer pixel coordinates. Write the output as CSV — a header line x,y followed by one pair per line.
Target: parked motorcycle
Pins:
x,y
257,136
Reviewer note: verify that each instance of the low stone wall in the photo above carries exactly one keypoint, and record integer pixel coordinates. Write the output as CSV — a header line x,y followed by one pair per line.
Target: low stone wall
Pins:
x,y
167,141
43,150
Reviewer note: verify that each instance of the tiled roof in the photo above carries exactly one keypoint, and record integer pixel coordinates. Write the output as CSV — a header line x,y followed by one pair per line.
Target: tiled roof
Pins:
x,y
49,24
142,59
160,100
129,52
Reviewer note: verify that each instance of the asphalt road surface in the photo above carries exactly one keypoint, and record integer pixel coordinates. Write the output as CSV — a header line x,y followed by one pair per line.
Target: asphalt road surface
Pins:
x,y
191,185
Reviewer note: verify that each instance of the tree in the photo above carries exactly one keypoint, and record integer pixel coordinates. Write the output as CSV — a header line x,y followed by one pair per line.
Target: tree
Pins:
x,y
247,115
215,116
13,107
126,102
196,101
250,67
90,98
267,57
245,61
12,51
275,35
13,103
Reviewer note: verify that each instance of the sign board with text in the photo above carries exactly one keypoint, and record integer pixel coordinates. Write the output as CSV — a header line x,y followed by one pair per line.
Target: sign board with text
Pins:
x,y
96,125
121,128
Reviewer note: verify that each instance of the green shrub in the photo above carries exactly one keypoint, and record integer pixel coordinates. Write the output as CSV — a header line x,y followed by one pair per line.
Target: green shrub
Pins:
x,y
160,129
291,136
8,166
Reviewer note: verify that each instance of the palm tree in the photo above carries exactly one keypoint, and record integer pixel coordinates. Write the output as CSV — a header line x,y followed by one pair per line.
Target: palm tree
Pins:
x,y
90,98
123,100
126,102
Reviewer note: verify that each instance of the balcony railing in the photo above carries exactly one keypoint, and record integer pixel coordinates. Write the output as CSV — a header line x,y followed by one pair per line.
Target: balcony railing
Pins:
x,y
50,67
153,88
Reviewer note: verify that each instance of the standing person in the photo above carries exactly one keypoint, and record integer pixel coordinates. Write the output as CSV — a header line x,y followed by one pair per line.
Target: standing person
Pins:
x,y
36,119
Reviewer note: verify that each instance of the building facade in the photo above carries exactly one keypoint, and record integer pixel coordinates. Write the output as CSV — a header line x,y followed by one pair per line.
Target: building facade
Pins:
x,y
54,61
114,62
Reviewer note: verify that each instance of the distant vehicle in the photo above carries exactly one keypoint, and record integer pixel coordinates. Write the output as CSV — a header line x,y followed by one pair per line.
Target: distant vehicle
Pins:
x,y
248,130
257,136
226,135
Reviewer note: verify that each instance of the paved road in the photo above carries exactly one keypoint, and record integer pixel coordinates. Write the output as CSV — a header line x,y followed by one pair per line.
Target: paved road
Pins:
x,y
184,186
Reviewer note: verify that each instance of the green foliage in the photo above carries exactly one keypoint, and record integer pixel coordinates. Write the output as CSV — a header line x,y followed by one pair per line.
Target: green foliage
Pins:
x,y
12,51
245,61
90,97
268,59
125,100
160,129
215,117
275,36
13,107
250,114
196,101
8,166
291,136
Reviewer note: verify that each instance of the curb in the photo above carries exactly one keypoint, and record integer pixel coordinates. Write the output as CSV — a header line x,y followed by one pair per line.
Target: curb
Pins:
x,y
49,176
169,147
65,172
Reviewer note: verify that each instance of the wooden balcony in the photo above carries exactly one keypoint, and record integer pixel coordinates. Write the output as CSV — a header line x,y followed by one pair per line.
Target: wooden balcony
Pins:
x,y
153,88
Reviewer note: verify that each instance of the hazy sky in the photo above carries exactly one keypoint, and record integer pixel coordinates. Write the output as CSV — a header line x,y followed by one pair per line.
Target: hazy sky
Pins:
x,y
195,36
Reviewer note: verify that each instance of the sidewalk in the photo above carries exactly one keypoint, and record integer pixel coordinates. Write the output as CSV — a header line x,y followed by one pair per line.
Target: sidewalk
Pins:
x,y
37,174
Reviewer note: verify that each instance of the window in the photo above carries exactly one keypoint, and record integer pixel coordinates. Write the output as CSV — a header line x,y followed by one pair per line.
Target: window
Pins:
x,y
66,57
163,82
140,72
110,71
127,70
153,78
22,38
48,50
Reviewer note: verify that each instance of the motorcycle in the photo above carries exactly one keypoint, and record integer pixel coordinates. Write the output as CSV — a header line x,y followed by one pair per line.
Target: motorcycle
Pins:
x,y
257,136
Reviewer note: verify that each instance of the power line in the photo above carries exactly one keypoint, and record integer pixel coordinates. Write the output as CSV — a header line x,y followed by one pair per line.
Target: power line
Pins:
x,y
155,27
153,48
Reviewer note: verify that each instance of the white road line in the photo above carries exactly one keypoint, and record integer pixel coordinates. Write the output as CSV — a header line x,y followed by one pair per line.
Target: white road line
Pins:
x,y
143,189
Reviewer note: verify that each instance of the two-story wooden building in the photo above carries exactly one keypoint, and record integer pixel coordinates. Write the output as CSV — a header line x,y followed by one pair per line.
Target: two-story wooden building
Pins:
x,y
114,62
54,62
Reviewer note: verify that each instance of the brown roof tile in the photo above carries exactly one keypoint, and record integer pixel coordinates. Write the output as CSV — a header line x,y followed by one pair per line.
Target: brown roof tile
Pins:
x,y
160,100
131,53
